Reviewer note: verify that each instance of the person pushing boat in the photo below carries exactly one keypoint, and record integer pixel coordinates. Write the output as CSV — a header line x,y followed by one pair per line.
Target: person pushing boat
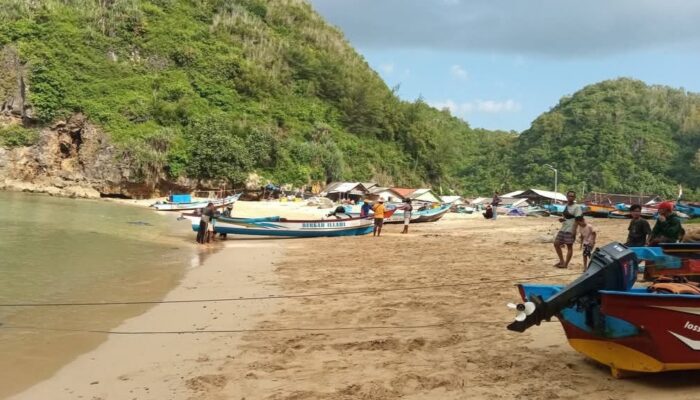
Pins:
x,y
378,209
365,209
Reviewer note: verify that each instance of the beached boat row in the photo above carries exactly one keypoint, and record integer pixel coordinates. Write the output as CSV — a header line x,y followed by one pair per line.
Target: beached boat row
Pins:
x,y
278,226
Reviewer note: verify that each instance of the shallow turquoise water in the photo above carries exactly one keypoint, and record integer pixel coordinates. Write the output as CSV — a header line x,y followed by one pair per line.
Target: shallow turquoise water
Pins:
x,y
64,250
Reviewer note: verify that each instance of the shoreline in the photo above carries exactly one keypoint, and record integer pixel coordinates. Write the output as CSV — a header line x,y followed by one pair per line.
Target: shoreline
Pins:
x,y
88,252
146,366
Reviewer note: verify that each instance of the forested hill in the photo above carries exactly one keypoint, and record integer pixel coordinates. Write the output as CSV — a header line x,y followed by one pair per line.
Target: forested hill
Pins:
x,y
208,91
620,136
216,89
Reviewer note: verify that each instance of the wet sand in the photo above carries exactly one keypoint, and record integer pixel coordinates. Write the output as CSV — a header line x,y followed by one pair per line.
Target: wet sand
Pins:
x,y
446,341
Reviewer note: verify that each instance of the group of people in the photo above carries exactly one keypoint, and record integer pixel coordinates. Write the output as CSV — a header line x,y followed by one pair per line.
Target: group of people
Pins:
x,y
668,229
380,211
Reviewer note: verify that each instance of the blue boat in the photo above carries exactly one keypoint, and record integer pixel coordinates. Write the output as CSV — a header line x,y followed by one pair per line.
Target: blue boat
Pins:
x,y
278,226
692,210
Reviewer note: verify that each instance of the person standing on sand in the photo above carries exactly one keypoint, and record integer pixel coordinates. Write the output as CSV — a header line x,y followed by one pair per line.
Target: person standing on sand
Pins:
x,y
639,229
567,233
378,209
407,210
494,204
588,236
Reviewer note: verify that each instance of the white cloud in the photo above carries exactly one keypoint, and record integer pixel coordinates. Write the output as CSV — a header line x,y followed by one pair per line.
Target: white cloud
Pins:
x,y
478,106
493,106
455,108
458,72
388,69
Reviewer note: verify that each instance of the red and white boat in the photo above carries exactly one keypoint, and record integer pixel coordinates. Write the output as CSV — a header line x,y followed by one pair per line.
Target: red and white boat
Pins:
x,y
605,318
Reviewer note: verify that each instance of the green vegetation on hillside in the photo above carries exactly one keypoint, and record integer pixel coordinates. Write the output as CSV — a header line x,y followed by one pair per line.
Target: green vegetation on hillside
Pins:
x,y
621,136
213,89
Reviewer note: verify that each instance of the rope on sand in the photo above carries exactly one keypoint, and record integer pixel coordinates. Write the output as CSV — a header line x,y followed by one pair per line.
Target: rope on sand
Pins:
x,y
262,330
294,296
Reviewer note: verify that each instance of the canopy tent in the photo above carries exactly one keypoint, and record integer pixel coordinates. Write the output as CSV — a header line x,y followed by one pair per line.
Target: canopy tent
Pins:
x,y
537,196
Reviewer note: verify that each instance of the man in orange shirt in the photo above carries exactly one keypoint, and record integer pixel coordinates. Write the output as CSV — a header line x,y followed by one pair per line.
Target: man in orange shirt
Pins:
x,y
378,209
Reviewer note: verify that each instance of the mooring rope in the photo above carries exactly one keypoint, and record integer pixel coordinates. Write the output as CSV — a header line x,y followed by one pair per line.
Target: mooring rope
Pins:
x,y
293,296
259,330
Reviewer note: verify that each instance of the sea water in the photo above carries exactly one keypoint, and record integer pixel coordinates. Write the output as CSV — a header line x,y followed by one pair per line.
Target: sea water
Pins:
x,y
55,250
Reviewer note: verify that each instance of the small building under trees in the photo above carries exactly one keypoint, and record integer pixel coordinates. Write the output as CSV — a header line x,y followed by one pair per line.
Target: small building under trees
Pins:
x,y
339,191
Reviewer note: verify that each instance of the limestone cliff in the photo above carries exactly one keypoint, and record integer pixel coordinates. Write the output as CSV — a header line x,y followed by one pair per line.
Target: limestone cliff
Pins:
x,y
74,158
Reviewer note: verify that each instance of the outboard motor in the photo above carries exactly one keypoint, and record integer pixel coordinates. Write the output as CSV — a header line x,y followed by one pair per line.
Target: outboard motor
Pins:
x,y
612,267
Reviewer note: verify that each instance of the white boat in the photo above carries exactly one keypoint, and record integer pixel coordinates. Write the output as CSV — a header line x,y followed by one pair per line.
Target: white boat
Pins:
x,y
278,226
218,203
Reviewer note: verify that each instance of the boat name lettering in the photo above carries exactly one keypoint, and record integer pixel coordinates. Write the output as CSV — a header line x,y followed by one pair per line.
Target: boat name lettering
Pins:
x,y
322,224
692,327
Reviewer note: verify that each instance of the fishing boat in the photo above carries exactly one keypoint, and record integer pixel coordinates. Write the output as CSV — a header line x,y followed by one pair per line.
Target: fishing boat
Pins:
x,y
691,209
555,209
279,226
218,203
430,214
670,259
629,329
599,210
397,216
534,211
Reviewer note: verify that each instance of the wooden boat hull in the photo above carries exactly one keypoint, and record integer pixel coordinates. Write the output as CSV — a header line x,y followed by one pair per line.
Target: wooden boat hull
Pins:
x,y
633,331
672,259
599,211
276,226
397,216
196,205
431,215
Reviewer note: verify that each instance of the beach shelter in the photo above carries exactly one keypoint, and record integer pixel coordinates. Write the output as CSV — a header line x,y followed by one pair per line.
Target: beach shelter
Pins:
x,y
338,191
387,194
613,198
454,200
537,196
513,194
426,195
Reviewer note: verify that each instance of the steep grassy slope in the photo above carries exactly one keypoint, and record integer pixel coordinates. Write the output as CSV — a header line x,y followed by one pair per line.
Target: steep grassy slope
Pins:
x,y
214,89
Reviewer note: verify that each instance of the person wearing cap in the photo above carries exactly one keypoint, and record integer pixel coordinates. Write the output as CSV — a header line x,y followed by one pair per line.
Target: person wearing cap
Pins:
x,y
668,227
378,209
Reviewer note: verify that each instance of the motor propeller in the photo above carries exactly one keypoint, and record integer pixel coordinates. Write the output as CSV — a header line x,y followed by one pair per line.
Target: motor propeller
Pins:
x,y
524,309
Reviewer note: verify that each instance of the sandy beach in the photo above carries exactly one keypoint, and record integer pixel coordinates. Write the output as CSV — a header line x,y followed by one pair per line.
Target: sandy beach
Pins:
x,y
417,316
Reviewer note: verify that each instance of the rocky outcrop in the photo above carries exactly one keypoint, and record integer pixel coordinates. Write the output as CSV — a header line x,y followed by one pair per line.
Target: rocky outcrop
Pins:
x,y
73,158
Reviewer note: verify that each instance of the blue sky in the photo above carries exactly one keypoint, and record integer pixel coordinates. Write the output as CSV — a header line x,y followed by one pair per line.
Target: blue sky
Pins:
x,y
498,64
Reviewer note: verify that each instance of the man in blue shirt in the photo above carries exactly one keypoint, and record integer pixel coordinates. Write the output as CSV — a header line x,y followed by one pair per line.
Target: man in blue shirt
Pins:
x,y
365,209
